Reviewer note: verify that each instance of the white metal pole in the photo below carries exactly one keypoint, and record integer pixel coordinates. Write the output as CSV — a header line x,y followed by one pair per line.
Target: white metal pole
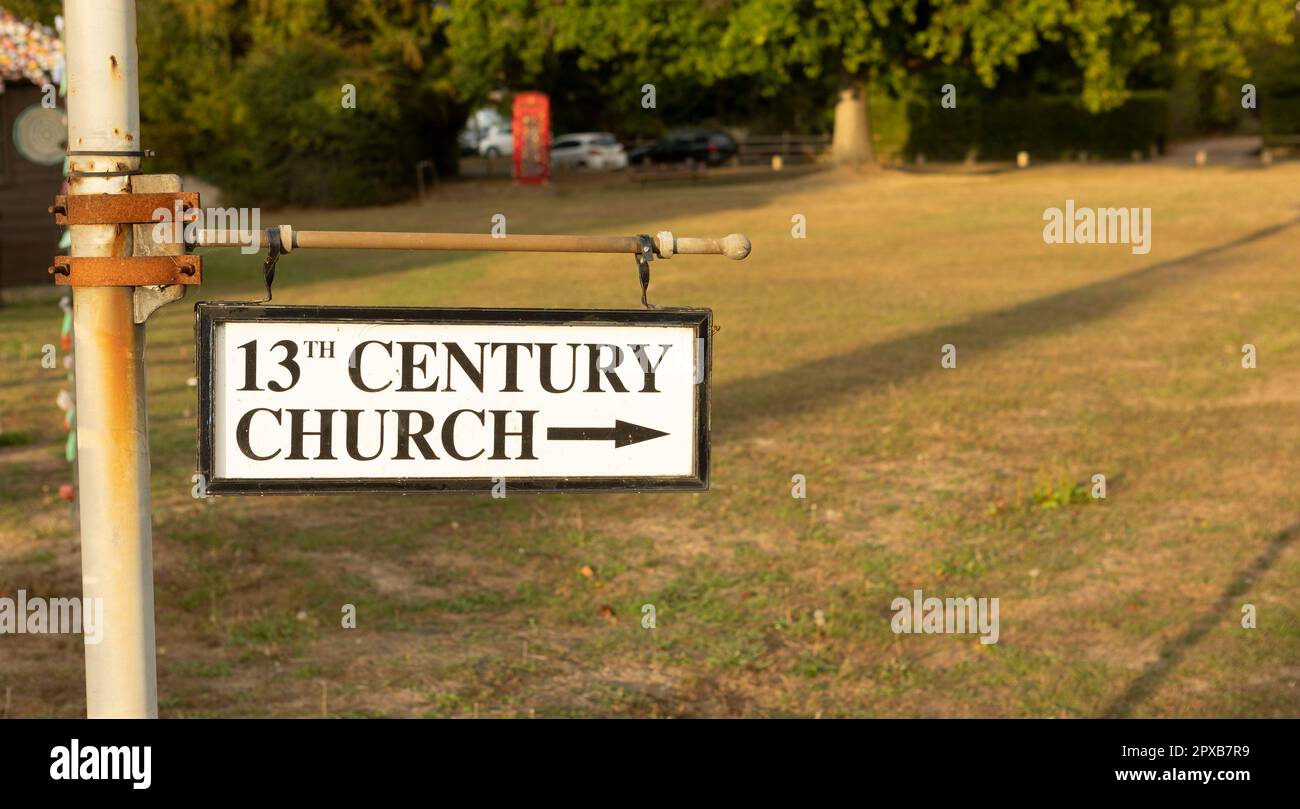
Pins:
x,y
112,427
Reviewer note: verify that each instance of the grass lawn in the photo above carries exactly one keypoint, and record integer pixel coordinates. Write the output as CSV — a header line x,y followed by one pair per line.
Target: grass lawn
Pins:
x,y
1072,361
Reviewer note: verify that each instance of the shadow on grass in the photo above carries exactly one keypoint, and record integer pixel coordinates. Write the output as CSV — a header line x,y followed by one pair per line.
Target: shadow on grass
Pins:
x,y
1173,652
742,406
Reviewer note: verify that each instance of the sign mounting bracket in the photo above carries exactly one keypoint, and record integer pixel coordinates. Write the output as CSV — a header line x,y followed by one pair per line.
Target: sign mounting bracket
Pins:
x,y
643,257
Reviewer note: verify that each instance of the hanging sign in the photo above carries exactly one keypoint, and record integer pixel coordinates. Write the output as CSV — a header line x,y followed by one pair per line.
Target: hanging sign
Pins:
x,y
303,400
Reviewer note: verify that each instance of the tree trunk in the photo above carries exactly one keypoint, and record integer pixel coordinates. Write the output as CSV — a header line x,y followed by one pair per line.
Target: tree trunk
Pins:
x,y
851,144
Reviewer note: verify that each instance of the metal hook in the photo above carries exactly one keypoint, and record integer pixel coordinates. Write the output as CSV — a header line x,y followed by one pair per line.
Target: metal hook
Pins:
x,y
273,250
643,257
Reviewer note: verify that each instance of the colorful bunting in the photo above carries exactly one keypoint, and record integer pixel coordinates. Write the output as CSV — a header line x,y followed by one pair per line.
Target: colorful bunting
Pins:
x,y
29,51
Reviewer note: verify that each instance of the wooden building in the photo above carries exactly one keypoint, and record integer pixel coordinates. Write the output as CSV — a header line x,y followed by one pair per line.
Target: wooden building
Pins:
x,y
32,143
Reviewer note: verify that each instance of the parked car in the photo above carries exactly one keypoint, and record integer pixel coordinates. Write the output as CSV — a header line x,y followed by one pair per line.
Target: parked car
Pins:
x,y
498,141
712,147
588,150
476,126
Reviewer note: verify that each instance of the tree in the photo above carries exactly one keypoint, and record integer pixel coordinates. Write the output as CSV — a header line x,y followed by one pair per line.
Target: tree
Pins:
x,y
598,56
249,95
246,92
257,98
870,41
845,48
1221,46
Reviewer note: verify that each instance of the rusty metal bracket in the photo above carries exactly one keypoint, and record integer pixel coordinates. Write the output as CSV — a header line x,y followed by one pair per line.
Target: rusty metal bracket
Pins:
x,y
148,299
126,271
159,269
119,209
144,242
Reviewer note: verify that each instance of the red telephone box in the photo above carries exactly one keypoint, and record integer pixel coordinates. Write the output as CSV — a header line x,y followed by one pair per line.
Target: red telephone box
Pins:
x,y
532,138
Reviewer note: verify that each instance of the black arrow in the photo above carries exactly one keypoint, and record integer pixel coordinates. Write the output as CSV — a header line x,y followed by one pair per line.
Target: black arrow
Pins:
x,y
622,433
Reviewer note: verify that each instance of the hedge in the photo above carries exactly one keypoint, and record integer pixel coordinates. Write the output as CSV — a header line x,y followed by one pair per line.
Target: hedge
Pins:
x,y
996,129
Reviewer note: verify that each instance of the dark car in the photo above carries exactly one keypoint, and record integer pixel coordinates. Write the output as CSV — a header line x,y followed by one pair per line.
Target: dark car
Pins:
x,y
711,147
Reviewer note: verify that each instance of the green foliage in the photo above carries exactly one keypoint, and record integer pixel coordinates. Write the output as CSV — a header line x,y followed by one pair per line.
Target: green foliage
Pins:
x,y
294,143
1053,128
247,93
812,665
1213,35
40,10
594,58
890,127
1275,69
1208,74
1282,116
253,100
1061,493
776,50
14,439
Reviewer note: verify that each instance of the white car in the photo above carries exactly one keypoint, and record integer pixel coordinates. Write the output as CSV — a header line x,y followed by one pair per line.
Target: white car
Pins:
x,y
588,150
498,141
476,126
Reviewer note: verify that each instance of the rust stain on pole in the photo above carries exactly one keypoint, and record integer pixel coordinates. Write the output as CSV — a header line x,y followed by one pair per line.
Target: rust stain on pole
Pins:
x,y
116,359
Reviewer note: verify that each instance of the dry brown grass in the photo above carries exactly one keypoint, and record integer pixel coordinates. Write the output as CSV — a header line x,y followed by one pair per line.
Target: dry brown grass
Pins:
x,y
1073,360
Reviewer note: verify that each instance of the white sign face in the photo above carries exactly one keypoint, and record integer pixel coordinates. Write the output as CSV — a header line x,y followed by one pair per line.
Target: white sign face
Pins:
x,y
341,399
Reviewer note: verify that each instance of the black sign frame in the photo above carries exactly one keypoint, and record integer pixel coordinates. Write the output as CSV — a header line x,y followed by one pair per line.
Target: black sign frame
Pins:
x,y
209,315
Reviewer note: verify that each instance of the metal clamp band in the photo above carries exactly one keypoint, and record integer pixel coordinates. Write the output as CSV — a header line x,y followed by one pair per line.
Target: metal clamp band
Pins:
x,y
93,153
126,271
116,209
